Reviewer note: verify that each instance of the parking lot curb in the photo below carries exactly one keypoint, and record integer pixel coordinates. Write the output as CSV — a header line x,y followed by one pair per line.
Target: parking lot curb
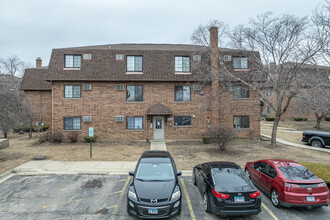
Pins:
x,y
5,176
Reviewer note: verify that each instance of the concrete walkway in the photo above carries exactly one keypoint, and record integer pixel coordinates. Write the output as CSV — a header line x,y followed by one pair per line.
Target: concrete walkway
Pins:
x,y
327,150
158,145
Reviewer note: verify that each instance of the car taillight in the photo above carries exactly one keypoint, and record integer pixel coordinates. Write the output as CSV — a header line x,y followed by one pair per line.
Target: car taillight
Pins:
x,y
291,185
322,184
255,195
220,195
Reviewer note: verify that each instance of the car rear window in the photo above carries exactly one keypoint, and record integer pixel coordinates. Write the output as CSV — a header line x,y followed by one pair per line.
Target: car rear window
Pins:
x,y
155,171
232,179
297,173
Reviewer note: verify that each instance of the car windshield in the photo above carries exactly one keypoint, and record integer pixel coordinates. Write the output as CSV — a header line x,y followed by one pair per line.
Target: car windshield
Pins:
x,y
154,171
233,178
297,173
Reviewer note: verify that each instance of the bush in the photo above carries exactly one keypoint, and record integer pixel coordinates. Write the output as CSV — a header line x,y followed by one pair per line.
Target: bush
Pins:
x,y
47,136
269,118
206,140
73,136
221,135
87,138
57,137
327,118
300,119
27,128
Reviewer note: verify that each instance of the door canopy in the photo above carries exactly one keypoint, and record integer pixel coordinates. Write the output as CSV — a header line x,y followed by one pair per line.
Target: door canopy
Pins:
x,y
159,109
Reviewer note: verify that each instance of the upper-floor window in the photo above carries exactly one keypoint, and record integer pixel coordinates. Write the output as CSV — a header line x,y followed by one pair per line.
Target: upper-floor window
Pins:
x,y
241,121
182,93
134,93
269,110
240,63
72,91
134,63
241,92
72,123
182,64
72,61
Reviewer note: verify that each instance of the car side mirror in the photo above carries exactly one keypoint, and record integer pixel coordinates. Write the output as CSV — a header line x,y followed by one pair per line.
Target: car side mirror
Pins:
x,y
179,173
131,173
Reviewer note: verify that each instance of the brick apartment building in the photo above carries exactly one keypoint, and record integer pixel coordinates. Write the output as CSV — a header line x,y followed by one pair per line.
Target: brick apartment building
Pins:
x,y
144,91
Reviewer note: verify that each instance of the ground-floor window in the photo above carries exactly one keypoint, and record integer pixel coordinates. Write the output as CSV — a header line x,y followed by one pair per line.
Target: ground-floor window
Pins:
x,y
241,121
134,122
182,120
72,123
269,110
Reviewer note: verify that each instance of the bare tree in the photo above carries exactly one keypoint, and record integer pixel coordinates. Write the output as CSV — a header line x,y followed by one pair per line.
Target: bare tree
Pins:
x,y
286,41
29,115
13,66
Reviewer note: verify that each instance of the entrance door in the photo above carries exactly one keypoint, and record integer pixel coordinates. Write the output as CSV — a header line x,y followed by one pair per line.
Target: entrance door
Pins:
x,y
158,127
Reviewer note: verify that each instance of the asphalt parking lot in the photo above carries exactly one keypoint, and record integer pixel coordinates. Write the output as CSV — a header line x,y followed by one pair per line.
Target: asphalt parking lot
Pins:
x,y
104,197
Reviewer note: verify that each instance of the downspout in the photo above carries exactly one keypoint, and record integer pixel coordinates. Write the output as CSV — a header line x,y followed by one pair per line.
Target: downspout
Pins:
x,y
147,125
40,107
52,106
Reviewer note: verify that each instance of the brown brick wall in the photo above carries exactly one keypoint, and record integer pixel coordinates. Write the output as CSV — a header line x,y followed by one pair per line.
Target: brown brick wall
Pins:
x,y
41,101
103,103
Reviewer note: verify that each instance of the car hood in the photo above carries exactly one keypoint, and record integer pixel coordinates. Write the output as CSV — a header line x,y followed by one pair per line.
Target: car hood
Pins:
x,y
154,189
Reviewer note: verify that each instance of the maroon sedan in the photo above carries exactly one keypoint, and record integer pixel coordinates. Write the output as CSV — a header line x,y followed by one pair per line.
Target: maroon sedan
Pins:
x,y
288,183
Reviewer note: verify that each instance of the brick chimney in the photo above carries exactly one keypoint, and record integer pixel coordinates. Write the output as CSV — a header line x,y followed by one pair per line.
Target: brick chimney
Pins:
x,y
38,62
215,74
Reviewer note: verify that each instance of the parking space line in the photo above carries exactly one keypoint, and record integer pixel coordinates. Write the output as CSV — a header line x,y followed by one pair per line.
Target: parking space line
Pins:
x,y
268,210
121,180
120,199
193,217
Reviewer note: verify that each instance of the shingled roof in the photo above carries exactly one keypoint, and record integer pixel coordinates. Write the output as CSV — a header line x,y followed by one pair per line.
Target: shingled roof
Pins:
x,y
34,79
159,109
158,62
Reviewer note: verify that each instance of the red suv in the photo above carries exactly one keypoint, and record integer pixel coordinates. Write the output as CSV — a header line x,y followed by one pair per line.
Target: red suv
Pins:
x,y
288,183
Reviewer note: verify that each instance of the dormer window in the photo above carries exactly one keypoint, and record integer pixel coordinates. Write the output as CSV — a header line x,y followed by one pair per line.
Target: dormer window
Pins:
x,y
240,63
134,63
72,61
182,64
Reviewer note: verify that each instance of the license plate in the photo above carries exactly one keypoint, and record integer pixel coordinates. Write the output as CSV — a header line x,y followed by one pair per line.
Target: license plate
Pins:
x,y
239,198
153,211
310,198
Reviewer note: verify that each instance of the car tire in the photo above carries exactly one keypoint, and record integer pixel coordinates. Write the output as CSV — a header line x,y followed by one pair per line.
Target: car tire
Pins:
x,y
316,143
247,172
206,203
194,178
274,197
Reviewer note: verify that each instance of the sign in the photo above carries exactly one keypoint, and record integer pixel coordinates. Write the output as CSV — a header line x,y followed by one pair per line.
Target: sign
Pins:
x,y
37,123
91,131
42,124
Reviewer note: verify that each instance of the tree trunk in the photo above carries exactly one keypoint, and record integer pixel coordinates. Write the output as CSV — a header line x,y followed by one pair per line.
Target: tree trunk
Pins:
x,y
5,134
274,131
30,133
318,122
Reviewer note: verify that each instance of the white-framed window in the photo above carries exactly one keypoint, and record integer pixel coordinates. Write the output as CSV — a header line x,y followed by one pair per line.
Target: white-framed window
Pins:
x,y
240,62
72,61
134,63
134,122
182,93
182,64
72,91
269,110
241,121
182,120
241,92
72,123
134,93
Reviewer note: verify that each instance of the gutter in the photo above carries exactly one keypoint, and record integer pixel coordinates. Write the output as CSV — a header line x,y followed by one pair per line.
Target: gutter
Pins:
x,y
52,106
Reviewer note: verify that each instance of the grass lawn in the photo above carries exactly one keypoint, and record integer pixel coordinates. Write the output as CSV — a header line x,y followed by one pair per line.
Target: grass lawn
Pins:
x,y
302,125
319,169
189,154
22,149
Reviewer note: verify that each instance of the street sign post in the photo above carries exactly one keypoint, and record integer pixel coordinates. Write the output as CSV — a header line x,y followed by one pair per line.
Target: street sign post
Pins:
x,y
91,134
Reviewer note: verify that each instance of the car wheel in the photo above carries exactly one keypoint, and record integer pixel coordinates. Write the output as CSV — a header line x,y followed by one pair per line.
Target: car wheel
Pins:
x,y
316,143
275,198
194,178
206,203
247,172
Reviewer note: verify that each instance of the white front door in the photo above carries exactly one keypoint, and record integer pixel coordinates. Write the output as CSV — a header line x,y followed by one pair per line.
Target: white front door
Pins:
x,y
158,127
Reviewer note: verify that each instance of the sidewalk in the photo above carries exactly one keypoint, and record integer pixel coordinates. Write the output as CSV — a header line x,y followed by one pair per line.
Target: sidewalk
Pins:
x,y
327,150
158,145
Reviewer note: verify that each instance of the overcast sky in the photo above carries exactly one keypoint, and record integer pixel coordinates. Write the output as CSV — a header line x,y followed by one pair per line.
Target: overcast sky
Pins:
x,y
32,28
